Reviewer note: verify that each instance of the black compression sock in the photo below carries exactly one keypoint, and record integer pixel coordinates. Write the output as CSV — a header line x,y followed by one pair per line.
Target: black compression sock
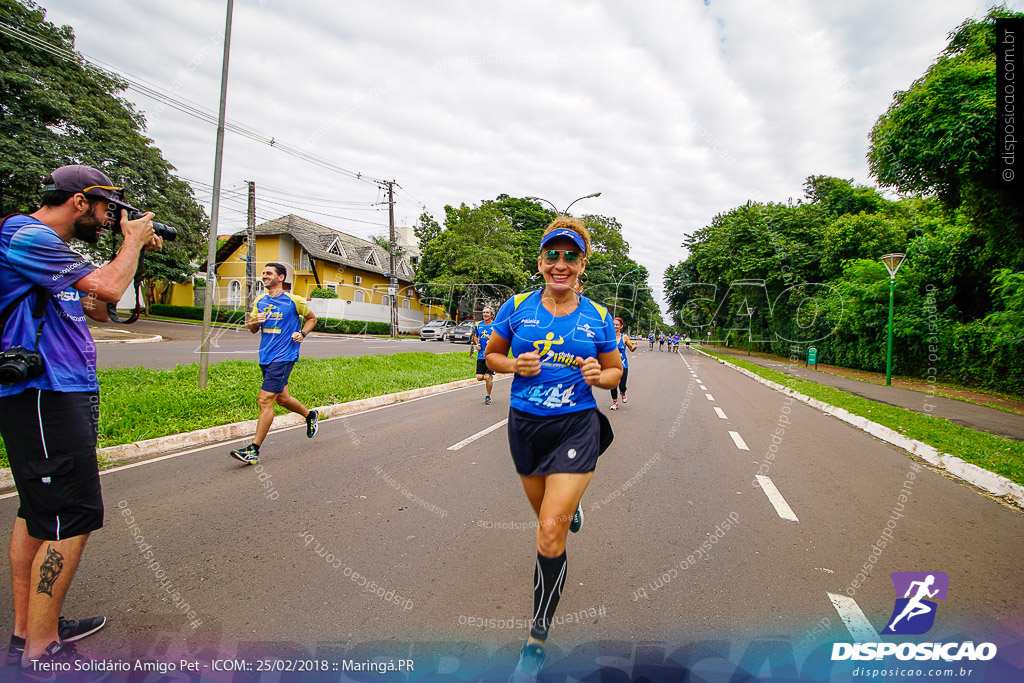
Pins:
x,y
548,580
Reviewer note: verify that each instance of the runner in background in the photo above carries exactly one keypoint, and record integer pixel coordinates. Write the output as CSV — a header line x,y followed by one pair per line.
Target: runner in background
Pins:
x,y
622,342
481,335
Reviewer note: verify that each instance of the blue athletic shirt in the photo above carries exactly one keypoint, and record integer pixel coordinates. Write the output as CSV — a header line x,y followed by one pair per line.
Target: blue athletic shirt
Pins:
x,y
675,340
558,388
483,332
621,346
651,339
285,315
31,253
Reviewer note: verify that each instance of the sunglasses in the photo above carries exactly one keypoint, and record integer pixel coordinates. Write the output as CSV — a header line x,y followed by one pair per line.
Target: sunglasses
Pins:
x,y
552,255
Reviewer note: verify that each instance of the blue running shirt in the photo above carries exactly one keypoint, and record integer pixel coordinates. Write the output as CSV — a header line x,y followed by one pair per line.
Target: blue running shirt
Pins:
x,y
31,253
558,388
483,332
621,346
286,314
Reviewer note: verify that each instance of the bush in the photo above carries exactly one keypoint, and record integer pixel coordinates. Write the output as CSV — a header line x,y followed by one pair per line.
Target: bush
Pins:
x,y
330,325
323,293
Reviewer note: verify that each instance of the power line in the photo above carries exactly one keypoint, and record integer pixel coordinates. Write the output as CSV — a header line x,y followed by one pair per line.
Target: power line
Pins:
x,y
178,103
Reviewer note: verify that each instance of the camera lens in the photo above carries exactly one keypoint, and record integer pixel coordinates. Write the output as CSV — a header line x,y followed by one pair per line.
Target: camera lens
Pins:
x,y
13,371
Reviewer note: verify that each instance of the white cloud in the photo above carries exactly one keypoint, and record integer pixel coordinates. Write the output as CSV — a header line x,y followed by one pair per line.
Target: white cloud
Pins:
x,y
675,111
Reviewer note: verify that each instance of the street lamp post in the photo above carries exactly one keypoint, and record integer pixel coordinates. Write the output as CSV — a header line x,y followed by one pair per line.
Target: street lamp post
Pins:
x,y
892,264
566,212
615,306
750,325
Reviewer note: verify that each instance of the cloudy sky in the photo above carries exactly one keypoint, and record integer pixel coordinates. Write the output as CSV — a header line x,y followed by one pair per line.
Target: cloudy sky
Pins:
x,y
674,110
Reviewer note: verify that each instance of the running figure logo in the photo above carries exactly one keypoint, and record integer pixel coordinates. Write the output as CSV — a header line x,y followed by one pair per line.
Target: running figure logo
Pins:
x,y
914,613
543,346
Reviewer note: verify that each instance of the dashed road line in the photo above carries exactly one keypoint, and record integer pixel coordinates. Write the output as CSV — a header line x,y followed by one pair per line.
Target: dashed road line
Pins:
x,y
710,397
721,413
853,617
776,499
738,440
479,434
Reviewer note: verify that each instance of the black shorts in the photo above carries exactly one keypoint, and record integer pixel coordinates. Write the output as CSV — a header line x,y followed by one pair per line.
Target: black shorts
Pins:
x,y
275,375
481,367
568,443
51,443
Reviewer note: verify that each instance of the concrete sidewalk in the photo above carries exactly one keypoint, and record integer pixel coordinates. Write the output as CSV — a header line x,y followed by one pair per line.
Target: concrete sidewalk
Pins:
x,y
982,418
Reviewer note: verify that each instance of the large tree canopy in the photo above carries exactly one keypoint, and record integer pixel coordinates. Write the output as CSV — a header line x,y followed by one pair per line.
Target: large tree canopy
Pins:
x,y
55,109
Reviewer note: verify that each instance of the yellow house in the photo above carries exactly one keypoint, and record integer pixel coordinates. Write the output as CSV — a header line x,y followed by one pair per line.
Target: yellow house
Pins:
x,y
317,256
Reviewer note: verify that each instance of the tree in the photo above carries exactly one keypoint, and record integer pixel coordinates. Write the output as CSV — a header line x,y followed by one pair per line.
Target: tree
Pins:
x,y
939,137
839,197
56,111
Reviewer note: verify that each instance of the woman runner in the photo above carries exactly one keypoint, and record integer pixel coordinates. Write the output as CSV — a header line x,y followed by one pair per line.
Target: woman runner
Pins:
x,y
622,341
562,344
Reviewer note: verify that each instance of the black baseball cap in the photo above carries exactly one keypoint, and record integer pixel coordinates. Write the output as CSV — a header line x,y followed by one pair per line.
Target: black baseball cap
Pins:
x,y
89,181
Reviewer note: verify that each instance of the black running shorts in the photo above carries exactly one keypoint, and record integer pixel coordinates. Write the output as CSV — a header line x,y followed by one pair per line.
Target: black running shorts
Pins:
x,y
568,443
275,375
51,444
481,367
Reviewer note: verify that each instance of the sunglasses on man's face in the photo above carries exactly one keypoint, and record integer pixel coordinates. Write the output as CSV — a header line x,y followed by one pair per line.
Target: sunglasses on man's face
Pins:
x,y
551,255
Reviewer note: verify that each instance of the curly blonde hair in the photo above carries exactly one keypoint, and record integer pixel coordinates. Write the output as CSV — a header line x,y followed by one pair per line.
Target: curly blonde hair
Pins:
x,y
569,223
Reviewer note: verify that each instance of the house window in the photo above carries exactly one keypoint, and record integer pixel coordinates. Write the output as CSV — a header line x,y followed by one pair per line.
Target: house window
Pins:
x,y
304,263
371,258
337,249
333,286
359,296
385,301
405,303
234,293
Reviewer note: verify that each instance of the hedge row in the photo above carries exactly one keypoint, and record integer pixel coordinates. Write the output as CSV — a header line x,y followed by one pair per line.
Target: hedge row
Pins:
x,y
238,317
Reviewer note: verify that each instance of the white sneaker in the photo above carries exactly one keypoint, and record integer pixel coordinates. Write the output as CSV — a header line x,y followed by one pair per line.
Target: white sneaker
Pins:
x,y
615,406
624,399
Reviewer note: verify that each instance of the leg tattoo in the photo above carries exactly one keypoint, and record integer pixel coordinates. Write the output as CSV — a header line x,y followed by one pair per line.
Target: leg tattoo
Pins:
x,y
49,571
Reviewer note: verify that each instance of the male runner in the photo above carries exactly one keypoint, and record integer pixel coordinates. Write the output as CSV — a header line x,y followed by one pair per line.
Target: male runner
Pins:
x,y
481,335
277,314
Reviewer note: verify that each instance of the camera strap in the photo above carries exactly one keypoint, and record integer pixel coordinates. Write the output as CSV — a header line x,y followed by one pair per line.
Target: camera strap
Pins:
x,y
112,308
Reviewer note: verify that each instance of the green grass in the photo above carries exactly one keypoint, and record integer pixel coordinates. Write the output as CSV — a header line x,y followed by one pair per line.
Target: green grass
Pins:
x,y
994,453
139,403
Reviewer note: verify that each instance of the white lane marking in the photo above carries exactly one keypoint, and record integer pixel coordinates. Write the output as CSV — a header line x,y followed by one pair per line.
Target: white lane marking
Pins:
x,y
710,397
721,413
853,617
484,432
776,499
703,388
738,440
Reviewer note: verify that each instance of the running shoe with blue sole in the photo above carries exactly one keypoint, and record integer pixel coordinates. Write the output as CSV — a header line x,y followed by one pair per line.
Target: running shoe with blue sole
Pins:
x,y
531,661
577,519
312,423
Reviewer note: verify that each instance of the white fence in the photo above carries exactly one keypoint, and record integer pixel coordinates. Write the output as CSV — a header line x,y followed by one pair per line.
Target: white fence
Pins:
x,y
408,320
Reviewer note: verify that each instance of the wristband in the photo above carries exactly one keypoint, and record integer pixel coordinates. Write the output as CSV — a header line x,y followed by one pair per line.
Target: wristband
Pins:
x,y
303,333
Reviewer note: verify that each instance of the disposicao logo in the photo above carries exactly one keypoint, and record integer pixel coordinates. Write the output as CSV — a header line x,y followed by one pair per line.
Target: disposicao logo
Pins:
x,y
914,613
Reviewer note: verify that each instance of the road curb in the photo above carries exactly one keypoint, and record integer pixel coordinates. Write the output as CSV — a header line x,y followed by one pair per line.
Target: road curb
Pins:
x,y
150,448
147,340
995,484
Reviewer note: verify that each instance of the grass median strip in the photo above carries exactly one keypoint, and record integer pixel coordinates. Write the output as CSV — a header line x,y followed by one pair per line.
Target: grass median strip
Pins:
x,y
992,452
140,403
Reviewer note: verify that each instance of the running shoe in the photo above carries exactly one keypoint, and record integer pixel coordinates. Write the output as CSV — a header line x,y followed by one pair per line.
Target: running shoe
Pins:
x,y
624,399
615,405
531,661
577,519
487,400
249,455
312,423
61,657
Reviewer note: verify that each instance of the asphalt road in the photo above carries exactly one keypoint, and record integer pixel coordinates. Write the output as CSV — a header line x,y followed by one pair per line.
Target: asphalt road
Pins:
x,y
449,536
180,346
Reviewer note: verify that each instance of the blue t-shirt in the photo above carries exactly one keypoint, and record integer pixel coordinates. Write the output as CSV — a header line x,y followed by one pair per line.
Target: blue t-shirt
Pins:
x,y
651,338
675,339
559,387
286,314
620,344
31,253
483,332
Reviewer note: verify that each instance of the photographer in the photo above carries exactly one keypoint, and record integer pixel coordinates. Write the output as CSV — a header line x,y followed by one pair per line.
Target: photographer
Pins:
x,y
48,414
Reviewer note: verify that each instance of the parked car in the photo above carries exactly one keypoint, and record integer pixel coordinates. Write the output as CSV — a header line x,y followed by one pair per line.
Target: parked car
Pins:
x,y
437,330
461,334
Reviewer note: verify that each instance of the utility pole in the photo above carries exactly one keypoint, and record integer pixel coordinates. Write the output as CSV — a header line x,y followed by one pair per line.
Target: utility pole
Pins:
x,y
211,254
250,251
393,289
